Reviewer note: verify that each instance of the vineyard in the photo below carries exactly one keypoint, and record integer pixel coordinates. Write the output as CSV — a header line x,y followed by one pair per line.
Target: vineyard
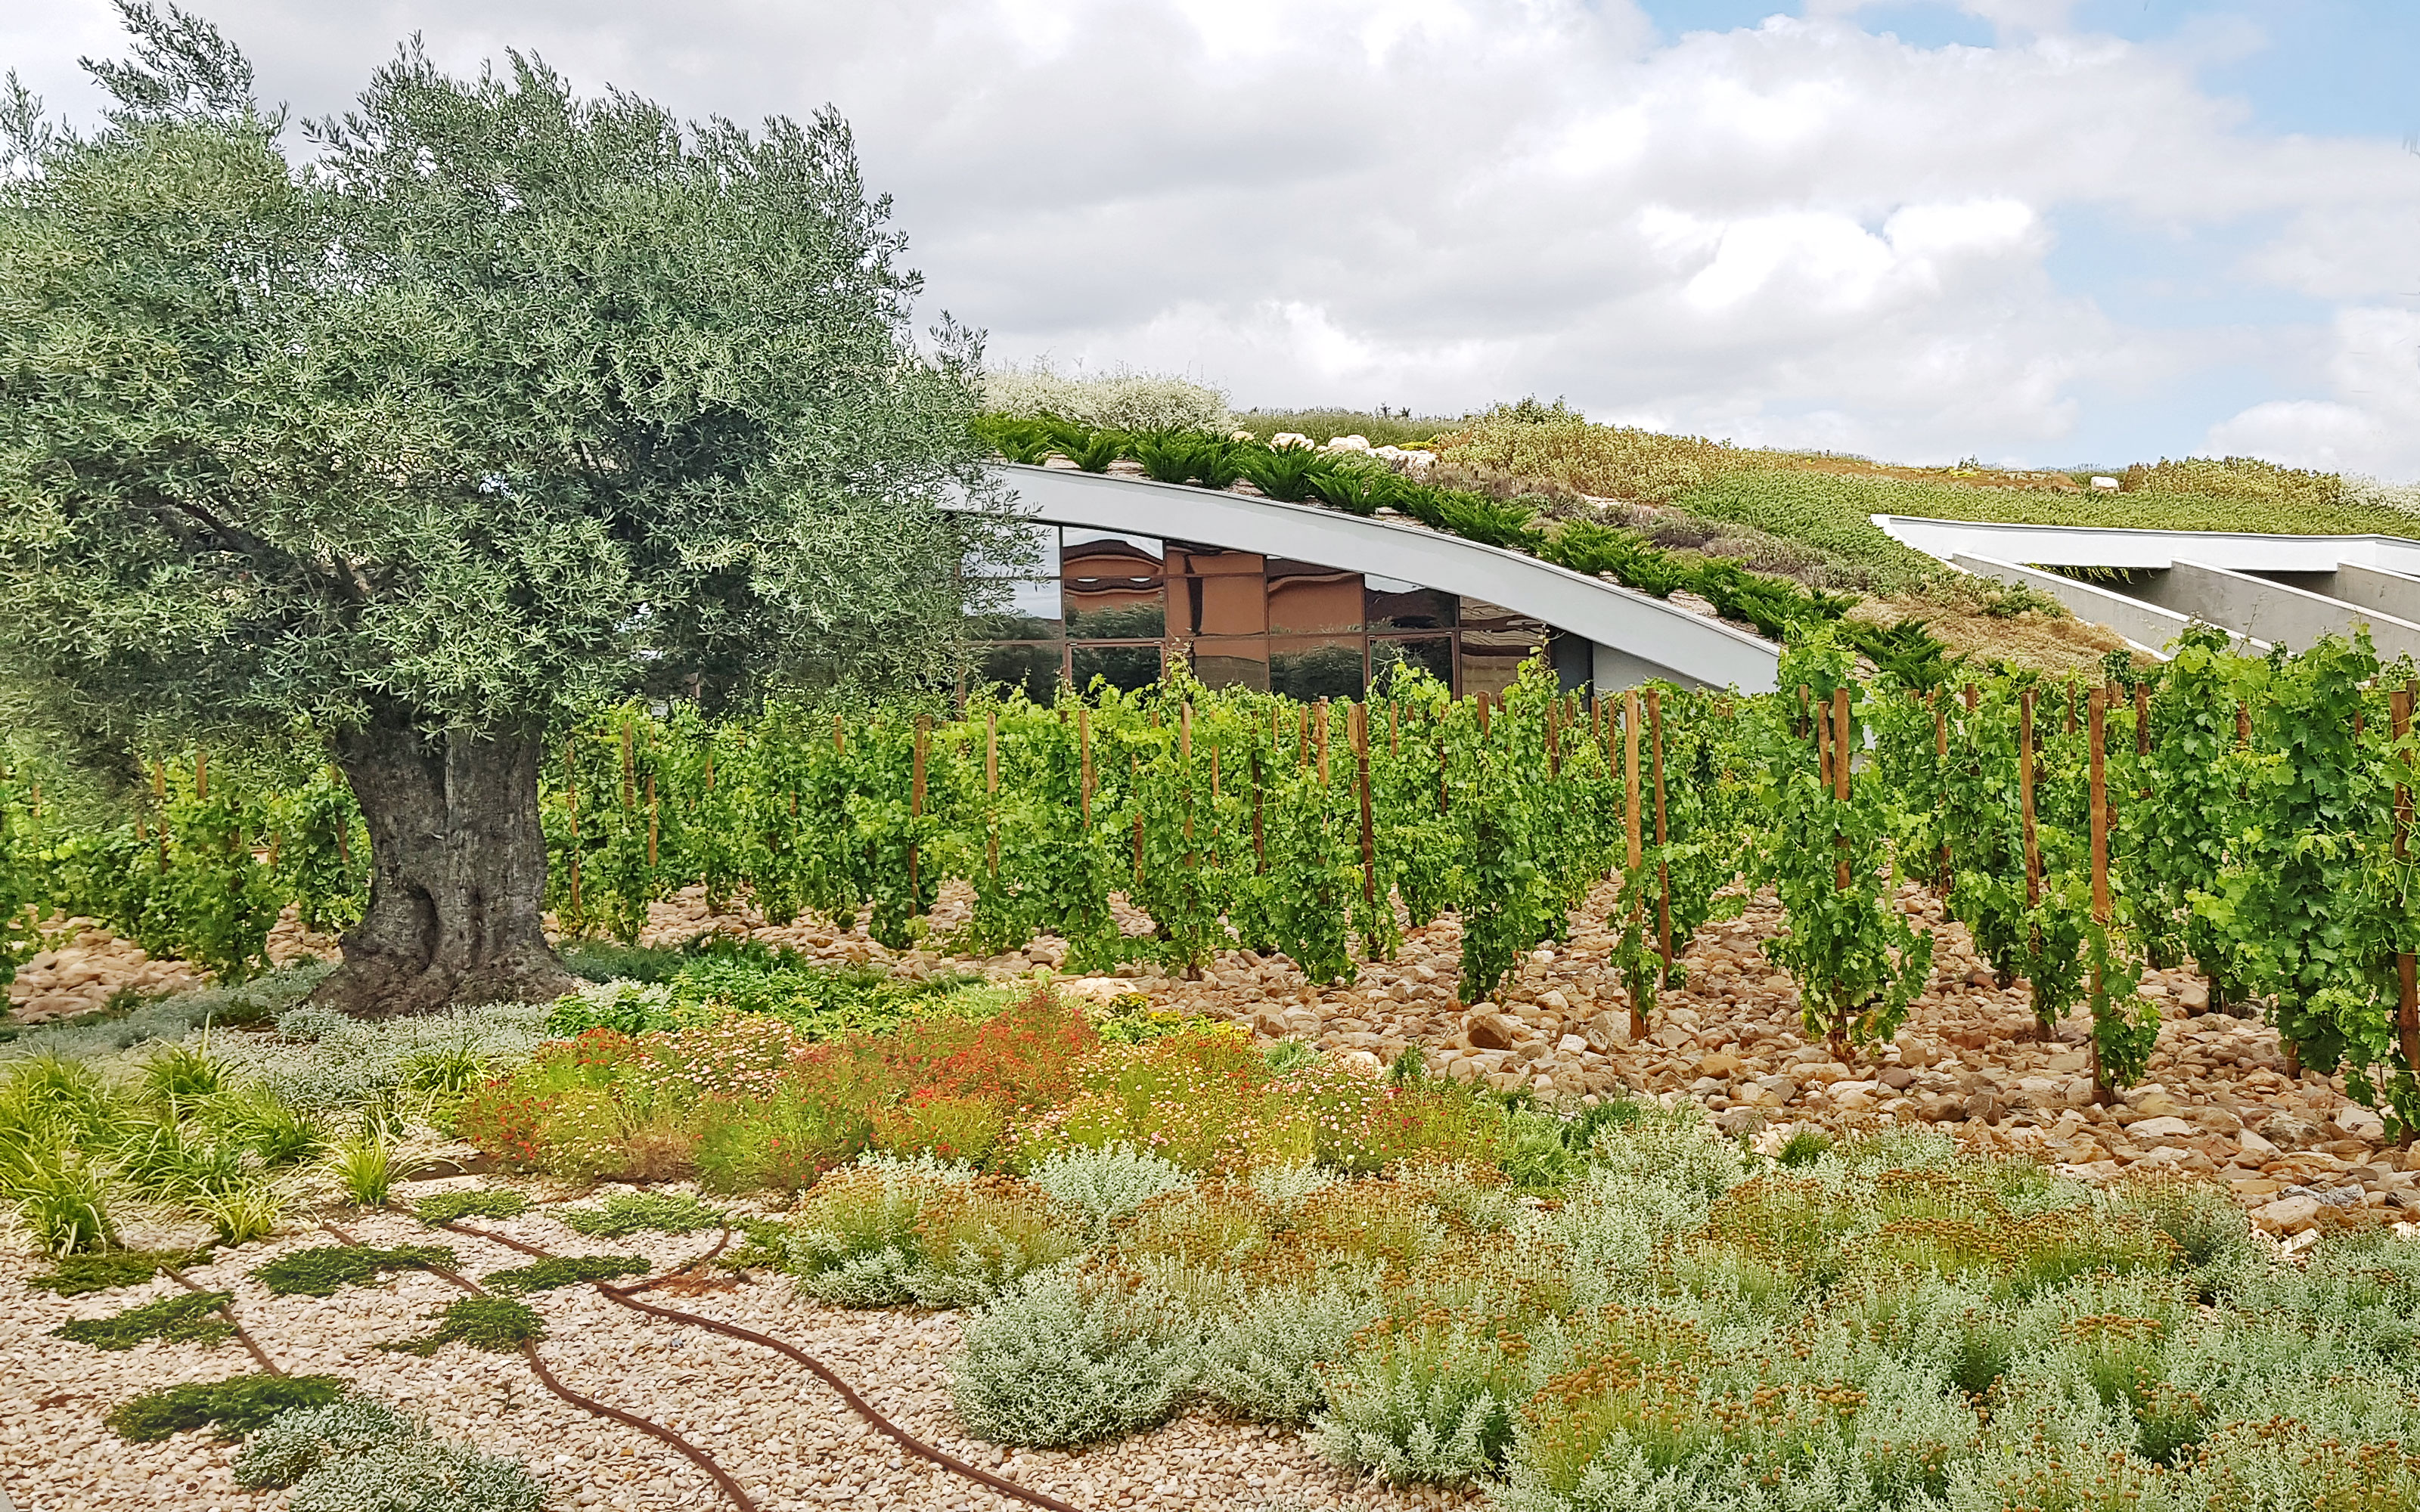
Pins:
x,y
2249,815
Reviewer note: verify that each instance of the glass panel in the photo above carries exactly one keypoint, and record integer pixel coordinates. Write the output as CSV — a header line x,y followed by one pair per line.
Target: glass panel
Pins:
x,y
1307,597
1430,654
1111,585
1316,668
1401,606
1031,613
1224,605
1042,561
1495,642
1110,554
1126,667
1232,663
1188,557
1119,610
1034,668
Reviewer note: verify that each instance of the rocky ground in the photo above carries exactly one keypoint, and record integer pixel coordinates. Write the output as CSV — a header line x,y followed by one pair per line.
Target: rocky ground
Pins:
x,y
781,1434
2216,1101
82,966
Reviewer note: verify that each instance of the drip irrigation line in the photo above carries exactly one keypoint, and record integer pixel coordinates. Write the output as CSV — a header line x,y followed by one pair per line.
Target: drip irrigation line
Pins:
x,y
226,1311
739,1497
823,1372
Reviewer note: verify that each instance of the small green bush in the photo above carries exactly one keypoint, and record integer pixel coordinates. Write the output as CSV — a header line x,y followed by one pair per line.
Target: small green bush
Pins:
x,y
625,1214
1267,1358
492,1323
189,1319
320,1272
1066,1357
236,1406
566,1271
476,1202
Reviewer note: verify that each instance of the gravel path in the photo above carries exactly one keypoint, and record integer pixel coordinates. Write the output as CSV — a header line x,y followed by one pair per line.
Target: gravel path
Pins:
x,y
784,1435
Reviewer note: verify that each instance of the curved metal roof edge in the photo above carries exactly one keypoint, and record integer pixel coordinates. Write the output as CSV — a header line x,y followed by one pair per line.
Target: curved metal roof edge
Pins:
x,y
1690,645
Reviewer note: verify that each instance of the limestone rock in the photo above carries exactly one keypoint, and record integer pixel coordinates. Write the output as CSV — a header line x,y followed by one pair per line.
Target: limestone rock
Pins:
x,y
1494,1031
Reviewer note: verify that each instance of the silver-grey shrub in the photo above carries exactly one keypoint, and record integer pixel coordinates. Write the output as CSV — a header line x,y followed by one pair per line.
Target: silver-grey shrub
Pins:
x,y
888,1232
321,1060
1262,1358
1107,1184
293,1444
1071,1356
420,1476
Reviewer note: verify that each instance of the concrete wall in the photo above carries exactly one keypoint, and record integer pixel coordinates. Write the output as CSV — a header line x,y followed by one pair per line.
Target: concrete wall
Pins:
x,y
2146,627
2269,610
2376,590
2092,546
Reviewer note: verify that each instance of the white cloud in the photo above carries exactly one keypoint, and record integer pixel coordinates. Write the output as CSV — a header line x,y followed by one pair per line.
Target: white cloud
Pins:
x,y
1793,232
2371,424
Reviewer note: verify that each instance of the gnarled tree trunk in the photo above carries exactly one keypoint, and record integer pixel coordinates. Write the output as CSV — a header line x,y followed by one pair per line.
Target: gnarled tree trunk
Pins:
x,y
457,873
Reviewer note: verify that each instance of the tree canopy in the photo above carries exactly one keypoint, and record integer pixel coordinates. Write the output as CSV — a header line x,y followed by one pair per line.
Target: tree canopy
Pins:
x,y
505,400
496,402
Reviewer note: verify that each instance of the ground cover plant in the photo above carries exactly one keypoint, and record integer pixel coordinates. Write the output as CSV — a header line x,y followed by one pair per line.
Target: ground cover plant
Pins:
x,y
186,1319
234,1407
1873,1322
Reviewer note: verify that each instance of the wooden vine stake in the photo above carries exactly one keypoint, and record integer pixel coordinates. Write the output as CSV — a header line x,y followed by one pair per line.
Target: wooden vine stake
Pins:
x,y
1185,756
2097,714
1663,868
570,801
916,804
1840,769
1084,756
2407,967
2025,796
991,790
1630,826
1941,760
655,820
1360,727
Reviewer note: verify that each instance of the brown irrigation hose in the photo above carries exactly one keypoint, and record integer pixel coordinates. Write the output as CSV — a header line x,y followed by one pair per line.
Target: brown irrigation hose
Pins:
x,y
227,1312
902,1436
858,1404
696,1456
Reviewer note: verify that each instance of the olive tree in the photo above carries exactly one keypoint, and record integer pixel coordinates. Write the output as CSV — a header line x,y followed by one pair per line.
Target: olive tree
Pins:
x,y
492,402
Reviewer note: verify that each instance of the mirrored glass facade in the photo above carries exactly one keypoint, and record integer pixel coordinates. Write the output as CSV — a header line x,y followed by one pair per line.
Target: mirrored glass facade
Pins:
x,y
1117,607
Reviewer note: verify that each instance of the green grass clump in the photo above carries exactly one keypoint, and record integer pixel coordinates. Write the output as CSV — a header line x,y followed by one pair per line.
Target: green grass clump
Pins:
x,y
482,1322
625,1214
235,1406
193,1319
566,1271
319,1272
819,1000
89,1270
478,1202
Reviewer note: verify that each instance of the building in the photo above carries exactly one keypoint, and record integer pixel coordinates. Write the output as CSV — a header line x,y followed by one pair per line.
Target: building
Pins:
x,y
1311,602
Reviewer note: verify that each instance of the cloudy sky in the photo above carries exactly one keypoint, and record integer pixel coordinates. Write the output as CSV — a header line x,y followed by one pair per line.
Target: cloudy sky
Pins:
x,y
2039,232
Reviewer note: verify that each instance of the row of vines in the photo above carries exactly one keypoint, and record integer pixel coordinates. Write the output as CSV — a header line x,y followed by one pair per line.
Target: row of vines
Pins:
x,y
2251,815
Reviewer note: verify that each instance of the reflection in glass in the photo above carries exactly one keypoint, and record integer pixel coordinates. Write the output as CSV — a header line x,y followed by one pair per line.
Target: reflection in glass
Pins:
x,y
1495,642
1316,668
1430,654
1123,666
1041,558
1031,613
1224,605
1232,663
1305,597
1034,668
1401,606
1110,554
1119,613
